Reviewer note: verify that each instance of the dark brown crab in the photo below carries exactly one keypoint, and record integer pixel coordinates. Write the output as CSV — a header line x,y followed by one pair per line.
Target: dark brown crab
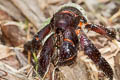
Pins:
x,y
68,35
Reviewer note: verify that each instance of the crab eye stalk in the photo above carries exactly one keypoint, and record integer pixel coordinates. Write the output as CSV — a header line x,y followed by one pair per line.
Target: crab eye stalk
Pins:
x,y
83,19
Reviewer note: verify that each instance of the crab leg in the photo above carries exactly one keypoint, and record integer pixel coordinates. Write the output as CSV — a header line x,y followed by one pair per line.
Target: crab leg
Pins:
x,y
94,54
101,30
35,44
45,55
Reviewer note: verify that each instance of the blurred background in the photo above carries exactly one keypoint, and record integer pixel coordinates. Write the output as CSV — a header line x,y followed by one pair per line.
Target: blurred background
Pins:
x,y
20,20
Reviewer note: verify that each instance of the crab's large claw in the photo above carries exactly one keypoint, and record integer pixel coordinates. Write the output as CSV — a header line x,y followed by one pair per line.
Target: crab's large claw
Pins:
x,y
68,49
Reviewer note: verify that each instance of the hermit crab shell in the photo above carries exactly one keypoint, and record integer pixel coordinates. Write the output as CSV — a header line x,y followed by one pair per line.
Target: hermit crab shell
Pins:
x,y
76,6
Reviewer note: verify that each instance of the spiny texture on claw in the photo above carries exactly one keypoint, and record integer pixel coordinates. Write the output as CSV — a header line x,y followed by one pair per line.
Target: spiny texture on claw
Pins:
x,y
95,56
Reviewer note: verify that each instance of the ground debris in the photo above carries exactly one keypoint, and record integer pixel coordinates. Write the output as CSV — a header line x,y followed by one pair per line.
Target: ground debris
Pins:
x,y
13,64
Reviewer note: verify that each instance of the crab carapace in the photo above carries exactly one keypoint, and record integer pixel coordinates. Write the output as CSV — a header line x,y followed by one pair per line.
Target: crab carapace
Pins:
x,y
67,24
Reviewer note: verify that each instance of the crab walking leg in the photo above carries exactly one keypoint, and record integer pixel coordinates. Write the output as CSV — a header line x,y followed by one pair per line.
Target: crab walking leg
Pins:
x,y
36,42
101,30
45,55
94,54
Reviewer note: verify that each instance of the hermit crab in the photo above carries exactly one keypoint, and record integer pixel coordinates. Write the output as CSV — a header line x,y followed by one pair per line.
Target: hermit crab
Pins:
x,y
67,35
